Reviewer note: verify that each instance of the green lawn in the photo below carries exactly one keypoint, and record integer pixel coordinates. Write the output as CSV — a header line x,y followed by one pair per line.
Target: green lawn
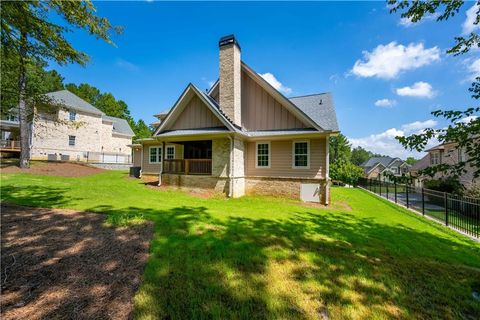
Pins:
x,y
257,257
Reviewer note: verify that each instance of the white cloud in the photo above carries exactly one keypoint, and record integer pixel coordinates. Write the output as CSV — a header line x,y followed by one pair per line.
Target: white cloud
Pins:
x,y
418,126
468,25
407,23
468,119
473,69
270,78
418,89
127,65
385,142
388,61
385,103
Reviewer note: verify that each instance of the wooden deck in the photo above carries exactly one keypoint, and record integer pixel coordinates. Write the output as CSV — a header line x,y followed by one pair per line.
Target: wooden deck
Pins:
x,y
9,146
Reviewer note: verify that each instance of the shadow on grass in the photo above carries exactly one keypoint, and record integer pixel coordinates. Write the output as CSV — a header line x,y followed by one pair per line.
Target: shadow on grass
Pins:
x,y
311,265
303,267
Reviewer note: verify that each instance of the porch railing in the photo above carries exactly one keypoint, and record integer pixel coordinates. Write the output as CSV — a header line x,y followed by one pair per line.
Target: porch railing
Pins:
x,y
10,144
188,166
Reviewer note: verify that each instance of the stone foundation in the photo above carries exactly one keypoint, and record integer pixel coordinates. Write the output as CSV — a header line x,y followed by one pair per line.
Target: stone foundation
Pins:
x,y
284,187
217,184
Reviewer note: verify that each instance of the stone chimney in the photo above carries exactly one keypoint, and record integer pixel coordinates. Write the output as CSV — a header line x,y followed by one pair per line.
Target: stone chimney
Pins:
x,y
230,79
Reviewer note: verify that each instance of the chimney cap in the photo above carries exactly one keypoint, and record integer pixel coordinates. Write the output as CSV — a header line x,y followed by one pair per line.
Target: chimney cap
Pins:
x,y
226,40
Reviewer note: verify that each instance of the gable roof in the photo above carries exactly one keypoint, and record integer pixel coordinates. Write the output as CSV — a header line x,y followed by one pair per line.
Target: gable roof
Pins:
x,y
209,102
385,161
71,101
120,126
319,107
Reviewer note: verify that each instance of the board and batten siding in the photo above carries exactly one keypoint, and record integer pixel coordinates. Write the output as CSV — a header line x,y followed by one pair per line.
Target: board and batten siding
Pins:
x,y
281,160
260,111
195,115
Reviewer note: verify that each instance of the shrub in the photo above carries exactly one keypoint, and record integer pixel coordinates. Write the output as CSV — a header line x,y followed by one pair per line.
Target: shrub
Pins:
x,y
449,185
346,172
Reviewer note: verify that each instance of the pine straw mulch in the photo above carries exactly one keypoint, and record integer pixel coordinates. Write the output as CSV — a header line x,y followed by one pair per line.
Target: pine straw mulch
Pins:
x,y
65,264
63,169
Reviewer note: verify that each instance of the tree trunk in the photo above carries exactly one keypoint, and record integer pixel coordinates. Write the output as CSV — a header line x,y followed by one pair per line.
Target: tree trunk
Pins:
x,y
22,106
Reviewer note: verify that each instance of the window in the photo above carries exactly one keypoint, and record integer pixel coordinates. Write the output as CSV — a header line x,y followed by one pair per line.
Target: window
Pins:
x,y
263,155
170,152
435,158
72,115
71,140
461,155
301,154
155,154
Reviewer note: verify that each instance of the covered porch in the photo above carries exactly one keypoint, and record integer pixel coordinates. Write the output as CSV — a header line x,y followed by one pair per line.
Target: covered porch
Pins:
x,y
187,157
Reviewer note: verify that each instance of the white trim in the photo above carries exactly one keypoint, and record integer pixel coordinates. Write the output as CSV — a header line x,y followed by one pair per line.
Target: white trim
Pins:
x,y
166,151
269,154
213,87
159,155
173,112
308,154
327,158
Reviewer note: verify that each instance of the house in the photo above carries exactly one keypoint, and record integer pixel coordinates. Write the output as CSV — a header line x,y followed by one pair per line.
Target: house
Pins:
x,y
242,136
445,153
74,130
377,167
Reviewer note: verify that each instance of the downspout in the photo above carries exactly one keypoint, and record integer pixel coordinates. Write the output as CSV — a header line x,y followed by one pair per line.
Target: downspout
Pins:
x,y
230,176
327,169
161,164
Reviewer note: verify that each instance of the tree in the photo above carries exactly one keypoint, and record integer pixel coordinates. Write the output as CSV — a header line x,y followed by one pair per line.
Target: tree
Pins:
x,y
411,161
339,148
142,130
464,128
84,91
345,171
28,33
359,155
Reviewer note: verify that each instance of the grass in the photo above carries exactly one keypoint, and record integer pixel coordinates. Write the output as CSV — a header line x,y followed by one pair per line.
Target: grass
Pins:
x,y
267,258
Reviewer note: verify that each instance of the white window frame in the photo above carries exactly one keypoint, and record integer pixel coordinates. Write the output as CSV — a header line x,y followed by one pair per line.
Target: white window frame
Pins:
x,y
308,154
269,154
159,155
166,152
70,116
74,141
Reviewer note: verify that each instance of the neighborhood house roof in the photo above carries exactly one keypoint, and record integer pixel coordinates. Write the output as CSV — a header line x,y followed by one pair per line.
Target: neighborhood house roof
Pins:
x,y
319,107
373,161
71,101
120,126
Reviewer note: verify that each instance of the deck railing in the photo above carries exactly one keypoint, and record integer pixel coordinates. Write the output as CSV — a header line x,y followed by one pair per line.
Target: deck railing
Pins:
x,y
10,144
188,166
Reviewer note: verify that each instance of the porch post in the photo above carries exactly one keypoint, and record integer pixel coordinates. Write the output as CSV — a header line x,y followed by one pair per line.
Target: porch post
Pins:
x,y
161,164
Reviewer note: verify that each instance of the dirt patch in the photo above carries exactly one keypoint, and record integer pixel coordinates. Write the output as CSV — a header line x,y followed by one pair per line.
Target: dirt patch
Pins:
x,y
64,264
63,169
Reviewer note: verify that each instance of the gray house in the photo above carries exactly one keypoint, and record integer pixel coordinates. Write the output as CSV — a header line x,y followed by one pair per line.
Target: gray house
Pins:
x,y
377,167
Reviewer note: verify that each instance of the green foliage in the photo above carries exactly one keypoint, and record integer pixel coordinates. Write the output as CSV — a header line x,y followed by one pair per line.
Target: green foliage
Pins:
x,y
411,160
346,172
473,191
142,130
360,155
465,134
449,185
339,148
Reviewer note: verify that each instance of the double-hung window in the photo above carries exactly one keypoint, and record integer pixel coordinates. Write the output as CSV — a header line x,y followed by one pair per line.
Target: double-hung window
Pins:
x,y
71,140
263,155
72,115
170,152
435,158
301,154
155,155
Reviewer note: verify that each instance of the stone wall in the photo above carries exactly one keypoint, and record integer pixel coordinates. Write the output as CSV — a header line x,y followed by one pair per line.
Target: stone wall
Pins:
x,y
220,157
284,187
50,136
218,184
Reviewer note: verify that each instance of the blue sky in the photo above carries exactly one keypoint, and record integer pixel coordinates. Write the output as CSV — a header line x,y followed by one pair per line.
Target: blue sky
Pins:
x,y
386,75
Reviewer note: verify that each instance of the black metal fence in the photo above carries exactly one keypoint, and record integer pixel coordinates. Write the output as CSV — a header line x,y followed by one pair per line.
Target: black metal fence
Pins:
x,y
460,213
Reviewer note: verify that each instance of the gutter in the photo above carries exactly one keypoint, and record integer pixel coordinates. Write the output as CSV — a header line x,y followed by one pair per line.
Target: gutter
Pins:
x,y
230,182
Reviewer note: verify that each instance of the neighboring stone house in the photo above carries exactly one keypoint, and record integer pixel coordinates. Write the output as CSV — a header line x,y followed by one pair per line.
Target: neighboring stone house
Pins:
x,y
242,136
377,167
76,131
447,153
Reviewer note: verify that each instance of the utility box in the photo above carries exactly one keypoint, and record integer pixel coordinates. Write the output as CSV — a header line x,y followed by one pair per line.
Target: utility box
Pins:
x,y
310,192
